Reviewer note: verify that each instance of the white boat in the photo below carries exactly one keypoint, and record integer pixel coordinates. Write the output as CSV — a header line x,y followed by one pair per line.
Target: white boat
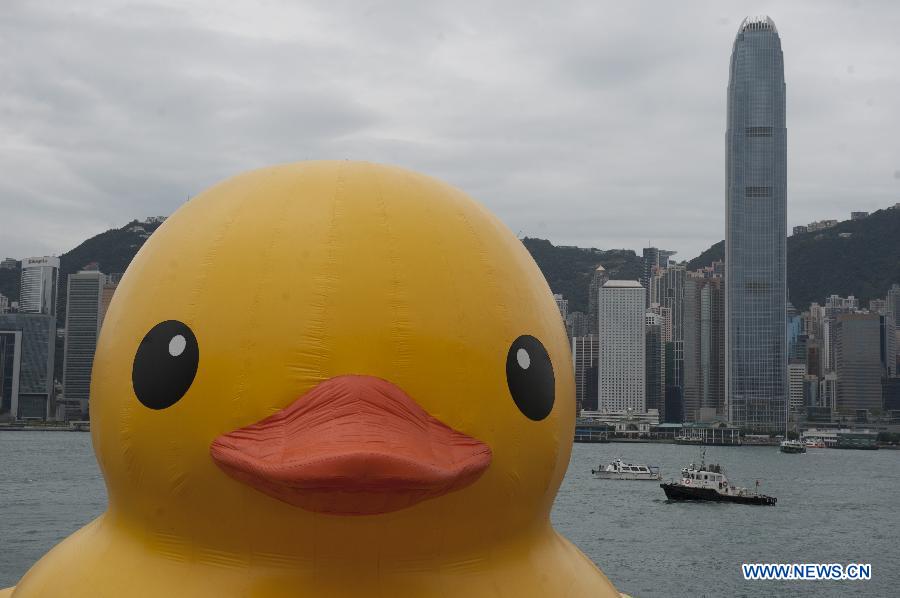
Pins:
x,y
618,470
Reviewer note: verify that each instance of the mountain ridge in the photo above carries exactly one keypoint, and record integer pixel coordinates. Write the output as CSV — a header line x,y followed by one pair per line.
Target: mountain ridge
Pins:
x,y
855,257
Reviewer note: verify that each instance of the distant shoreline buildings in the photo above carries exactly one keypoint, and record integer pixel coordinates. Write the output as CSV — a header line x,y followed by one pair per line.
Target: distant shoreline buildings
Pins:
x,y
718,346
45,370
722,344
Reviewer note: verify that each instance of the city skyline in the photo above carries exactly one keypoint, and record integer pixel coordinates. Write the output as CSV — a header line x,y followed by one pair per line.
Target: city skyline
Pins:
x,y
559,145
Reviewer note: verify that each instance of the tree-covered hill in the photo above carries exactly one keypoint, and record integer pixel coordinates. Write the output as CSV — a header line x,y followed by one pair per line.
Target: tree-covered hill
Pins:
x,y
113,250
856,257
715,253
568,270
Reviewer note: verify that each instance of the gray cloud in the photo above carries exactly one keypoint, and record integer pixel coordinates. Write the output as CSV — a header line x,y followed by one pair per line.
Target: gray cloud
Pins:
x,y
598,124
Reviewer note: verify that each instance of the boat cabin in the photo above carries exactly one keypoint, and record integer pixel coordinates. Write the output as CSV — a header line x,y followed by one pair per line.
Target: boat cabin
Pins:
x,y
711,477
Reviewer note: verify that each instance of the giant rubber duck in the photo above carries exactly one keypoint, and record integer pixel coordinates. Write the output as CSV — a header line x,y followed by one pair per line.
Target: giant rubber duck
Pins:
x,y
328,379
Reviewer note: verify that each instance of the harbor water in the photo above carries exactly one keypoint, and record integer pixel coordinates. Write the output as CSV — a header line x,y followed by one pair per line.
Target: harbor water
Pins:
x,y
833,506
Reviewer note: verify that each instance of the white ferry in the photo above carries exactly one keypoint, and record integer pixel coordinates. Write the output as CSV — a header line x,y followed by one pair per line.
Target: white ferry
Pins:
x,y
618,470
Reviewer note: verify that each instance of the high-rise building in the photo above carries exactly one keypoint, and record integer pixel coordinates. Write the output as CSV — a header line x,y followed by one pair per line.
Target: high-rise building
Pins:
x,y
889,348
584,357
654,355
811,391
671,290
40,281
598,279
892,309
666,315
835,305
812,358
621,357
704,347
83,319
712,345
892,302
890,394
859,364
693,347
828,391
756,229
106,295
653,259
26,365
796,386
4,304
674,411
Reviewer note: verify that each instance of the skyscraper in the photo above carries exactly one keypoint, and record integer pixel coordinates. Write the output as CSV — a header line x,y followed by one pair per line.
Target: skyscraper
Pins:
x,y
797,385
26,365
83,319
859,361
109,289
654,356
704,347
621,353
653,258
671,291
584,357
756,228
892,309
40,280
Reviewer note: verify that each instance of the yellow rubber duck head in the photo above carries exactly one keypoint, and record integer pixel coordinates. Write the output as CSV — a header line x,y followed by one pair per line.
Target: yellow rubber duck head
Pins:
x,y
313,357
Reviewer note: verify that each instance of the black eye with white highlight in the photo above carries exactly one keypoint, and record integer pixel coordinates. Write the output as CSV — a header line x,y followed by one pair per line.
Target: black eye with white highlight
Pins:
x,y
165,364
529,375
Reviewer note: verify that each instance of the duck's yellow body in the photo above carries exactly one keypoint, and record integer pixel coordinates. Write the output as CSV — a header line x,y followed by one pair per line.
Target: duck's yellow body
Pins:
x,y
282,281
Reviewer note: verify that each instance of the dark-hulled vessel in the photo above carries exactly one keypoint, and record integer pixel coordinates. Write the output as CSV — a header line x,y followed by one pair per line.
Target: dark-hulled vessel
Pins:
x,y
708,483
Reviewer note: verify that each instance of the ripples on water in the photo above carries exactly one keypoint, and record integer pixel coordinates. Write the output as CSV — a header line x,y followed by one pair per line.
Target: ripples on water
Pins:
x,y
833,507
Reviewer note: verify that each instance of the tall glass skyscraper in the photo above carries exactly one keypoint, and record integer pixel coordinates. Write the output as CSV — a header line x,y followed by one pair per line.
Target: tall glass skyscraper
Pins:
x,y
40,279
83,320
756,227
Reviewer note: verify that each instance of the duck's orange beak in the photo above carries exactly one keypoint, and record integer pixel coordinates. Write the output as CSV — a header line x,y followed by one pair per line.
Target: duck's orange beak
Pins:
x,y
353,445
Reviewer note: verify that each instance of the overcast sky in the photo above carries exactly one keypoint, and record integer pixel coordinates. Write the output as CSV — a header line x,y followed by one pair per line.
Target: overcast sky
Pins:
x,y
588,123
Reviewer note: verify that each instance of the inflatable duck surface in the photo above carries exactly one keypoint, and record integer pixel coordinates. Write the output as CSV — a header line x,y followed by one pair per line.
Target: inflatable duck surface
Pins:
x,y
328,379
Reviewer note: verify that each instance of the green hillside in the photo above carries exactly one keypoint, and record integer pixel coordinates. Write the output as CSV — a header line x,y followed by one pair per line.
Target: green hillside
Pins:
x,y
714,253
864,264
113,250
821,263
568,269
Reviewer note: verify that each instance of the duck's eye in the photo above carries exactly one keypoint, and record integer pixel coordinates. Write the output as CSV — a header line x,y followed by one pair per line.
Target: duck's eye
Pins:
x,y
529,375
165,364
